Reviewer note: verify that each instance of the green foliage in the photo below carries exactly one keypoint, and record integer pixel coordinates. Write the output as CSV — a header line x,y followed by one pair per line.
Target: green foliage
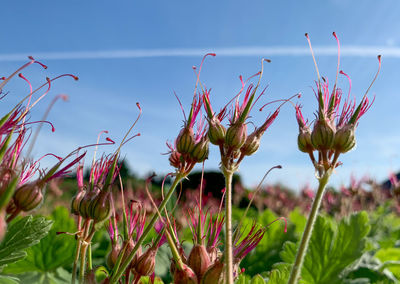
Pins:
x,y
391,259
269,247
21,235
53,251
333,247
60,276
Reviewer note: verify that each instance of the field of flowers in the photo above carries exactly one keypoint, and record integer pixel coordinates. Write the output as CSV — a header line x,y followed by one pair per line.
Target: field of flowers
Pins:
x,y
72,224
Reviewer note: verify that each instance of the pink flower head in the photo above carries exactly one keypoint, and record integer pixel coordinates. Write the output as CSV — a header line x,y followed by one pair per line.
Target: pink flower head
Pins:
x,y
100,170
243,245
136,220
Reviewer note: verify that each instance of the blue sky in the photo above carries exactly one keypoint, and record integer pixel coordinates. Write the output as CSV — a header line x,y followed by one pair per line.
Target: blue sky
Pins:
x,y
135,51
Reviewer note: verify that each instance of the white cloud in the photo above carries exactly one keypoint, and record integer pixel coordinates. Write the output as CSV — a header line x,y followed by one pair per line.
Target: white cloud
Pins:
x,y
355,51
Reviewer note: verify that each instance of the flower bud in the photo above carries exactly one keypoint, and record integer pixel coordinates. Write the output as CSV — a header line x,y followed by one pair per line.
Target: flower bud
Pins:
x,y
146,262
213,253
175,159
113,256
304,141
252,144
216,131
322,135
199,260
84,205
100,206
236,136
213,274
345,139
185,141
28,196
200,150
185,276
76,200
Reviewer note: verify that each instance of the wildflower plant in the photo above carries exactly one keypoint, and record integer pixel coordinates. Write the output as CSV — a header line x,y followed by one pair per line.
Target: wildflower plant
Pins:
x,y
331,134
235,143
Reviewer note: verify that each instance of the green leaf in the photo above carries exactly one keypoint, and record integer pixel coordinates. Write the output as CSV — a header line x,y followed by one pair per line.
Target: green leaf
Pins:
x,y
332,248
4,279
370,269
243,279
20,235
299,220
390,256
280,274
53,251
257,280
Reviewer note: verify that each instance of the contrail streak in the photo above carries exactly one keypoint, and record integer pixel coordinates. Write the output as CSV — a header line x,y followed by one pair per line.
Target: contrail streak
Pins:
x,y
354,51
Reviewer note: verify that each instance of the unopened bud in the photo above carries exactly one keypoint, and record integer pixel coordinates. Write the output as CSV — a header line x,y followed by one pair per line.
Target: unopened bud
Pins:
x,y
236,136
113,256
200,150
322,135
76,200
175,159
28,196
185,276
304,141
252,144
100,207
216,131
213,274
146,262
199,260
345,139
185,141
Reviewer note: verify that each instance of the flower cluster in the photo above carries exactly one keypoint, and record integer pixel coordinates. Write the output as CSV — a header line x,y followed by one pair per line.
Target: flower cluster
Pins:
x,y
23,182
234,141
333,131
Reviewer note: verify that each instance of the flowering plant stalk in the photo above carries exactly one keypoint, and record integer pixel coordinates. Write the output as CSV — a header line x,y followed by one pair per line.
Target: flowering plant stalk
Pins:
x,y
235,144
190,148
333,134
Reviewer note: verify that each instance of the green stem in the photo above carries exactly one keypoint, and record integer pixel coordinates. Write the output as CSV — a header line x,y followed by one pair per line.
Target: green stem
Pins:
x,y
296,270
228,227
74,267
83,263
118,273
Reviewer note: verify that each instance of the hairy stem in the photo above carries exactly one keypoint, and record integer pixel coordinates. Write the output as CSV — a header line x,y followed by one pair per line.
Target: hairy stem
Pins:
x,y
118,273
228,228
301,253
75,265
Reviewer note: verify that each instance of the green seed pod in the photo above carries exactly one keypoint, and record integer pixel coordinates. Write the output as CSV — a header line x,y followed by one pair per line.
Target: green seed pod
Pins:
x,y
28,196
84,205
213,274
304,141
185,141
199,260
146,262
322,135
185,276
345,139
100,206
76,200
216,131
236,136
252,144
200,150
